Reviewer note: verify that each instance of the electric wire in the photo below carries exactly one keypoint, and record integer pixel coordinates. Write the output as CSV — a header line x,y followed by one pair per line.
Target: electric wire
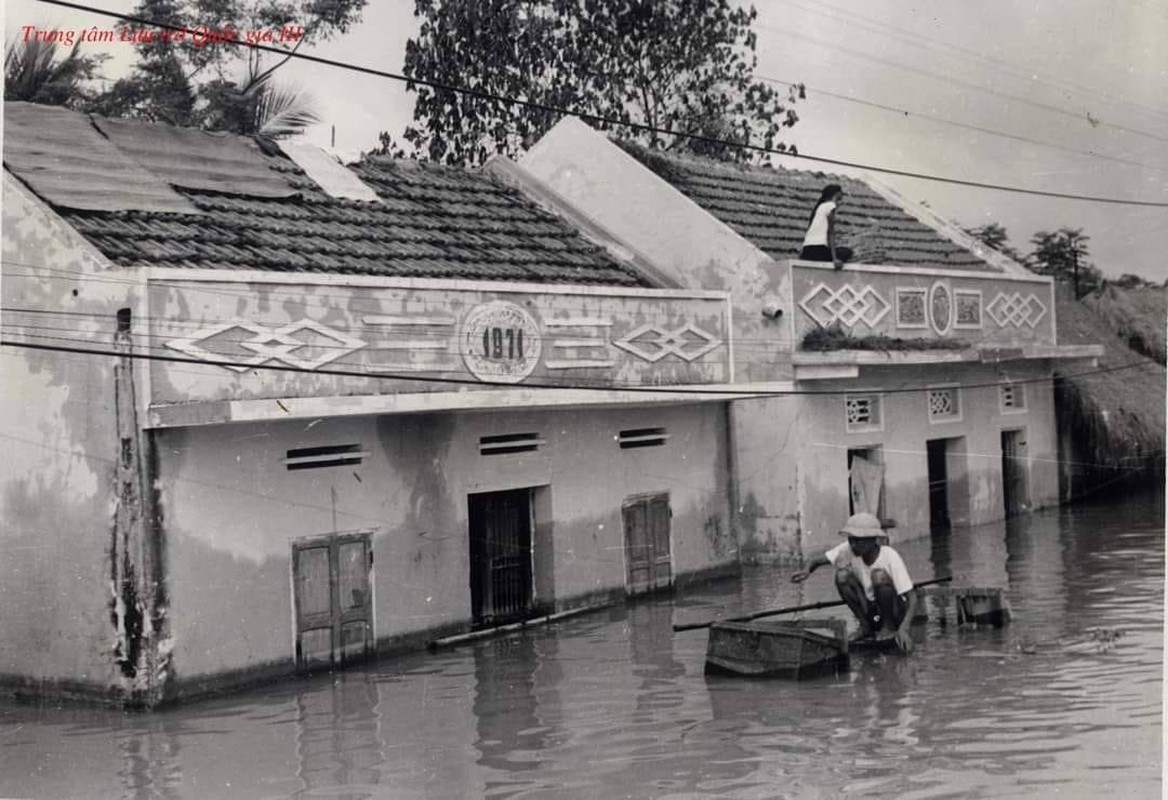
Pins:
x,y
715,391
901,112
880,28
632,125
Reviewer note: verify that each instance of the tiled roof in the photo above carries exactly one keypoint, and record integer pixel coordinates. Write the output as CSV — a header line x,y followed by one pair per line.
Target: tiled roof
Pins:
x,y
431,222
770,208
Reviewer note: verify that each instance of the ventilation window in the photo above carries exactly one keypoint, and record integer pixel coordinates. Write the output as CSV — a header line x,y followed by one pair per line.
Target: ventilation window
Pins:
x,y
944,404
1013,398
862,412
333,455
505,443
642,437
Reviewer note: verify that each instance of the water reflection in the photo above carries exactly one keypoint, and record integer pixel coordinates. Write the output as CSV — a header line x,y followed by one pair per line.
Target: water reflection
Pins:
x,y
1066,699
338,738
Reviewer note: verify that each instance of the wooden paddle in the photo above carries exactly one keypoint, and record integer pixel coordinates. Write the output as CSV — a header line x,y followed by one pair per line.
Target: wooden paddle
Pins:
x,y
691,626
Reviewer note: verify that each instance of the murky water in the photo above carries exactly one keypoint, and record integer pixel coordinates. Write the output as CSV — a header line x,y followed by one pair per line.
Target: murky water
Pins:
x,y
615,704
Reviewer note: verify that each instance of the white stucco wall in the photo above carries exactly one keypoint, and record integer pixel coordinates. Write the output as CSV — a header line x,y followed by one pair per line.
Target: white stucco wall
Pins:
x,y
60,444
231,510
817,453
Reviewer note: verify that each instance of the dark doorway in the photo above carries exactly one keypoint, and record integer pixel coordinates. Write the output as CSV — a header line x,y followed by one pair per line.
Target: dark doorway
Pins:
x,y
500,556
648,559
938,485
1014,489
334,603
866,480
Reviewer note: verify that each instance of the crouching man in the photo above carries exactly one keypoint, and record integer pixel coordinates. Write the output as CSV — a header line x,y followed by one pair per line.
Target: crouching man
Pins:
x,y
872,580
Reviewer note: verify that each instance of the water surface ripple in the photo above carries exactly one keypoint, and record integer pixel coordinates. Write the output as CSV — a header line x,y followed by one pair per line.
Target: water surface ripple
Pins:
x,y
1063,702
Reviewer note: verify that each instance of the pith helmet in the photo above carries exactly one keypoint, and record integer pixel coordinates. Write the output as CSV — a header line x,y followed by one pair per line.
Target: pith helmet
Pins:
x,y
863,526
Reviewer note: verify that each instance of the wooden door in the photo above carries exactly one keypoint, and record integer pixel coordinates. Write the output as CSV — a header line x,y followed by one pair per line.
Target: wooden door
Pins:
x,y
1014,490
333,599
500,556
648,560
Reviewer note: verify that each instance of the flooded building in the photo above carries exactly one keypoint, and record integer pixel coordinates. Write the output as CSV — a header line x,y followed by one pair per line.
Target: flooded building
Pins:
x,y
915,383
263,412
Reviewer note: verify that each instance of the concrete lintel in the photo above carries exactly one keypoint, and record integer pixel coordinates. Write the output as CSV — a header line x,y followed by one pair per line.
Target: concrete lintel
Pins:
x,y
221,412
872,358
825,372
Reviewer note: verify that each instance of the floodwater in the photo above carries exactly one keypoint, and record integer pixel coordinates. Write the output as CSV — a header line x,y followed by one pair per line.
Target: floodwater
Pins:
x,y
1064,702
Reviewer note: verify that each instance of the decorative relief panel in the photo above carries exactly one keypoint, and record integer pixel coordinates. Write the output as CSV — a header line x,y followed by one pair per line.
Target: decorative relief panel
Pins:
x,y
500,342
652,343
303,344
846,305
910,307
941,307
968,308
1016,309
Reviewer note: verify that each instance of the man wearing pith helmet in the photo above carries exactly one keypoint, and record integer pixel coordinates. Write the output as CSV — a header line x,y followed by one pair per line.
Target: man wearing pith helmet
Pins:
x,y
872,580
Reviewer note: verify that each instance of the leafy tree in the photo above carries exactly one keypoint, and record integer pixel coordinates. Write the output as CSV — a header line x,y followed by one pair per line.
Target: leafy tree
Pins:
x,y
994,235
682,65
1063,254
204,78
33,73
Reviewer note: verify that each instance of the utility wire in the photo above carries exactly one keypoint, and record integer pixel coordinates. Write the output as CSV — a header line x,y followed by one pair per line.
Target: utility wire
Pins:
x,y
658,390
880,28
950,79
919,115
637,126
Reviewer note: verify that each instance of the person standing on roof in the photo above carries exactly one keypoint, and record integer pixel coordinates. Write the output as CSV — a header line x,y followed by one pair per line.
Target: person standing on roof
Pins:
x,y
819,241
872,580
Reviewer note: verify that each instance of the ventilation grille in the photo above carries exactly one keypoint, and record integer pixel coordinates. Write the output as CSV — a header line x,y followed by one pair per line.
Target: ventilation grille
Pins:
x,y
862,412
333,455
1013,397
504,443
642,437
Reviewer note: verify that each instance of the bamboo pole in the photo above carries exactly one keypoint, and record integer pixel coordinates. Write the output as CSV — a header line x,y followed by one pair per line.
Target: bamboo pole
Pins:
x,y
690,626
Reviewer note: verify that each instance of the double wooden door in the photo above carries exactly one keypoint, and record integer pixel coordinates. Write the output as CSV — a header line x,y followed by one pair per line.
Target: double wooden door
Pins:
x,y
333,597
648,560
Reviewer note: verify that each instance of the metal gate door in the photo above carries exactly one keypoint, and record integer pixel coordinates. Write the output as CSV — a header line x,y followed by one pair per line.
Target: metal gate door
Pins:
x,y
500,556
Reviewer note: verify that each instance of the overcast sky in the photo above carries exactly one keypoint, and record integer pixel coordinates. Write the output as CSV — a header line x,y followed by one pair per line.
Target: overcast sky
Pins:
x,y
1063,96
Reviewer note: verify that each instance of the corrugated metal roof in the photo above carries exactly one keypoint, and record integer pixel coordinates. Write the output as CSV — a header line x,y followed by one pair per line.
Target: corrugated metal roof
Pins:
x,y
771,207
68,163
193,159
430,221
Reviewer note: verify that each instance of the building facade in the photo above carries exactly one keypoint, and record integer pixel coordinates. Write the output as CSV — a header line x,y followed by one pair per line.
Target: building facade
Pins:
x,y
270,414
915,383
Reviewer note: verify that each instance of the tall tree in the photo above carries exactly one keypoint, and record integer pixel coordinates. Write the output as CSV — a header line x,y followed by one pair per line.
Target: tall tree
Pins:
x,y
204,78
686,66
1063,254
34,73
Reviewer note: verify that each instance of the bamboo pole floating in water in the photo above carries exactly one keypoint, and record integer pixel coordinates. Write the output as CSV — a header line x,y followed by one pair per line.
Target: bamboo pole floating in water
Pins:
x,y
691,626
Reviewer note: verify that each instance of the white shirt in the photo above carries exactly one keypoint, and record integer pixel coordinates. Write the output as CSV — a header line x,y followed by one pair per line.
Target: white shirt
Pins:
x,y
842,557
817,230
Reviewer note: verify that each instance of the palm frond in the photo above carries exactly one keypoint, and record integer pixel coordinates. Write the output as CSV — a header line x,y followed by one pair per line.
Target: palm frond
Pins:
x,y
34,74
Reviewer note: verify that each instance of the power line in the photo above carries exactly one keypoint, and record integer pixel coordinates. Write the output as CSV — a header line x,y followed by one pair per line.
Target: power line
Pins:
x,y
637,126
849,17
658,390
906,113
955,81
